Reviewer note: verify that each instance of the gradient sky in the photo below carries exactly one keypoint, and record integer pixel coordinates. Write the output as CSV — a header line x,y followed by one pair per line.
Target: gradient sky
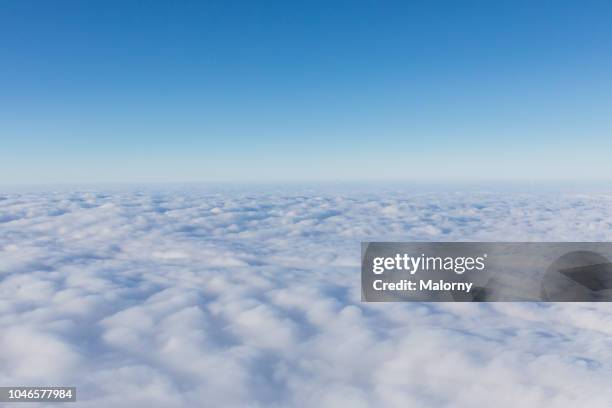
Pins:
x,y
144,91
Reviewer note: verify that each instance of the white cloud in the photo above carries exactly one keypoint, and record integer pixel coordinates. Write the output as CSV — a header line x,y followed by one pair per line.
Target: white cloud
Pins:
x,y
251,299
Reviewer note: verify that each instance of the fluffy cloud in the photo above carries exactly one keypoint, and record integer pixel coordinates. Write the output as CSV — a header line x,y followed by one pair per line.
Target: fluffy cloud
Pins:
x,y
248,298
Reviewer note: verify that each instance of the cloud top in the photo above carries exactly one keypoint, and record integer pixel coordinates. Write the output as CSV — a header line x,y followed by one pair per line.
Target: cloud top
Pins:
x,y
251,299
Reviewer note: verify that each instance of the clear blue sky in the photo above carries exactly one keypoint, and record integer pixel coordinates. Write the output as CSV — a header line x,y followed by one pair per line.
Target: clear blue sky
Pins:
x,y
107,91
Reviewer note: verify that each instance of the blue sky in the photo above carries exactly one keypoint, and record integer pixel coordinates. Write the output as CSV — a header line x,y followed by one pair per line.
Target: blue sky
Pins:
x,y
134,91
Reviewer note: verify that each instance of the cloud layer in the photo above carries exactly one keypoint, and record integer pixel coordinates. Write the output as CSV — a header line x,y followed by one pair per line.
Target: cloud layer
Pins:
x,y
245,298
